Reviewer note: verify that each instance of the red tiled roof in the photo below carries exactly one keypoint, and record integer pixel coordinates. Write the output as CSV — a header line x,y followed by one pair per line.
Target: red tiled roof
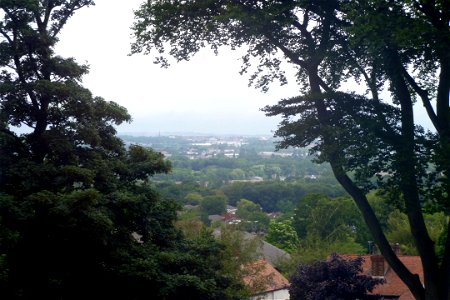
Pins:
x,y
263,277
393,285
229,217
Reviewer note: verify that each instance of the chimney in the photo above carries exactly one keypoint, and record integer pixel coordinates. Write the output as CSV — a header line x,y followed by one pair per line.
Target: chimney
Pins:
x,y
379,265
377,262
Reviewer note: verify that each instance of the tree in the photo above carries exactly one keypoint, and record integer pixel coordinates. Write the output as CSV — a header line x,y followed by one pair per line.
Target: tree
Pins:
x,y
252,215
239,251
200,270
398,231
403,43
245,208
193,198
329,219
336,278
326,225
283,235
78,216
237,174
302,213
214,204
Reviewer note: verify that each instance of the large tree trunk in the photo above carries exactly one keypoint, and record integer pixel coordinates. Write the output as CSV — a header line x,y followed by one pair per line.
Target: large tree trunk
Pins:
x,y
411,280
407,164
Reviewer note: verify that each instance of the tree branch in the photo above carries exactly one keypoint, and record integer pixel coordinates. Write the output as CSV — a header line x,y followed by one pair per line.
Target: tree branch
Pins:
x,y
289,53
6,36
425,99
75,5
48,10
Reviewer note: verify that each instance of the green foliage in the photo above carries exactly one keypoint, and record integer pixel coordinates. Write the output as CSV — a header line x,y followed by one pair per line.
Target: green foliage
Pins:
x,y
239,251
327,219
283,235
226,170
214,205
253,218
245,208
231,23
398,231
193,198
236,251
179,192
325,225
286,207
78,216
197,271
313,249
258,223
269,194
402,43
272,196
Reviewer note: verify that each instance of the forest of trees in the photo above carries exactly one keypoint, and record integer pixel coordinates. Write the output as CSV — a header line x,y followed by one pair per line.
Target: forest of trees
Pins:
x,y
84,216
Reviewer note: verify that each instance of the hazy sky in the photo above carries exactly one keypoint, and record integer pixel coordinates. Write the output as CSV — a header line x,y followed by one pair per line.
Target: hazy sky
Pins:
x,y
204,95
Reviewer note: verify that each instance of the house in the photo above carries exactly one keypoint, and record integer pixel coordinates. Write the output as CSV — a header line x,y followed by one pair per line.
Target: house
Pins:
x,y
215,218
270,253
231,219
231,209
273,255
375,265
265,282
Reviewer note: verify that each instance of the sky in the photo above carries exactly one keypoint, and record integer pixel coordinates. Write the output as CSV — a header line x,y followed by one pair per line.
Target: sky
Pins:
x,y
204,95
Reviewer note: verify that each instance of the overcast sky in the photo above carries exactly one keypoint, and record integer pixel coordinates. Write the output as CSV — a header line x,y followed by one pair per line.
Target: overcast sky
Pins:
x,y
204,95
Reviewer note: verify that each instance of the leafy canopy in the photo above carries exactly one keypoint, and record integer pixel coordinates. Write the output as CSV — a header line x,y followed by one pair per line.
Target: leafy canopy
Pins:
x,y
78,216
398,46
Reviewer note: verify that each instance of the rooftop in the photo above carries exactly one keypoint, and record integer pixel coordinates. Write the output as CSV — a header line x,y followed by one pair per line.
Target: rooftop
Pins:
x,y
263,278
393,286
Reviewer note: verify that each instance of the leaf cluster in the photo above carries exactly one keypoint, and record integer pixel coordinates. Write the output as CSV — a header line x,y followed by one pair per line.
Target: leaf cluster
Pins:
x,y
336,278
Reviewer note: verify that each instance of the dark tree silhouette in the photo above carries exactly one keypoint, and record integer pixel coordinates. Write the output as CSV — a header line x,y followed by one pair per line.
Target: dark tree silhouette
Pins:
x,y
78,217
336,278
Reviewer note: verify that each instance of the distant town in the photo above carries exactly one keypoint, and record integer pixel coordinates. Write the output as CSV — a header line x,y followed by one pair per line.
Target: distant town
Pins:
x,y
197,147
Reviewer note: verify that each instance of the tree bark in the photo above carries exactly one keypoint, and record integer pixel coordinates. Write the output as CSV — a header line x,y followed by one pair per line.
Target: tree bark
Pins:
x,y
406,170
411,280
